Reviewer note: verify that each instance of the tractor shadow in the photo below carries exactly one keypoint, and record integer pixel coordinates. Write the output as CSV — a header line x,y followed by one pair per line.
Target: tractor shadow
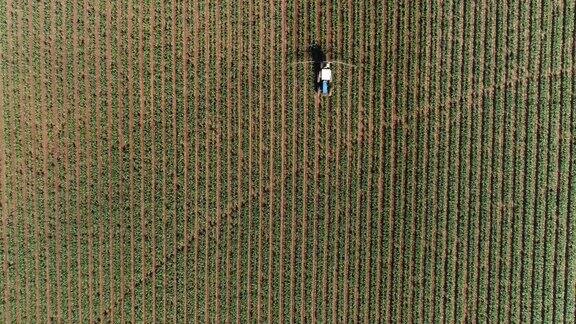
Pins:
x,y
317,56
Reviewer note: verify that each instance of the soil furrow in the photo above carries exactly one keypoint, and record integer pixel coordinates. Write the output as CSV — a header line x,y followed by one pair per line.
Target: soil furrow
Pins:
x,y
98,196
468,75
527,97
393,83
426,82
153,153
76,104
381,165
316,175
141,126
197,87
479,154
229,53
218,135
444,209
56,151
554,171
518,174
131,108
110,161
175,150
304,207
493,172
569,247
5,284
67,180
186,141
283,205
328,192
88,102
349,140
45,156
414,68
272,164
163,32
261,41
240,166
295,30
540,162
361,147
7,180
121,90
401,192
250,163
210,120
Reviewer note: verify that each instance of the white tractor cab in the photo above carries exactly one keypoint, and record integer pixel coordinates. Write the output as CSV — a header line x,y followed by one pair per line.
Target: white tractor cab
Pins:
x,y
324,79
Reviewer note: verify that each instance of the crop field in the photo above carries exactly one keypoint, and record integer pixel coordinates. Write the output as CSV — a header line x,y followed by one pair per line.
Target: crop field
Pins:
x,y
165,161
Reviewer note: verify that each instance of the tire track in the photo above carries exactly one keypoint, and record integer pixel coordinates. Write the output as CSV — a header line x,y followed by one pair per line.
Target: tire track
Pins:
x,y
179,247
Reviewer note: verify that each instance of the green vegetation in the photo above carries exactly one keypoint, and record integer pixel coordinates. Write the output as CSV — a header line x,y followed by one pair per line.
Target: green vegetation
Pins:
x,y
164,161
